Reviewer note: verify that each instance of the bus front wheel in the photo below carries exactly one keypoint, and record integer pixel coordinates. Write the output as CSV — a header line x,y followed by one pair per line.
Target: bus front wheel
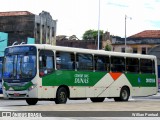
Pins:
x,y
61,96
97,99
32,101
124,95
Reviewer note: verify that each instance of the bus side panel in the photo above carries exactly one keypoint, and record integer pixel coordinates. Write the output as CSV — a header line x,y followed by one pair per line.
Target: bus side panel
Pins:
x,y
115,88
101,88
143,84
33,93
47,92
90,91
77,92
144,91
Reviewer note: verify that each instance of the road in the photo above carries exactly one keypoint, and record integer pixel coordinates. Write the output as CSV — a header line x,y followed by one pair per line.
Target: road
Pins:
x,y
135,104
87,109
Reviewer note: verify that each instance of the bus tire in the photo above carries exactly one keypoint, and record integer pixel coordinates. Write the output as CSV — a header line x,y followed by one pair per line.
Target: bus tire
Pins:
x,y
61,96
97,99
124,95
32,101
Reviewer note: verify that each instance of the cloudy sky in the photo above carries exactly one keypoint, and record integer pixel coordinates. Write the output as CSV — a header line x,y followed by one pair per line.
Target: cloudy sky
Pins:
x,y
77,16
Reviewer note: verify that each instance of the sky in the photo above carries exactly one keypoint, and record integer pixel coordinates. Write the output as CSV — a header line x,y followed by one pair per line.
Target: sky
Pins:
x,y
74,17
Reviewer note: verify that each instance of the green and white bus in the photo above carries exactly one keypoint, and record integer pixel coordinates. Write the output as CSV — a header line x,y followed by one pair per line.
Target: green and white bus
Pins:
x,y
44,72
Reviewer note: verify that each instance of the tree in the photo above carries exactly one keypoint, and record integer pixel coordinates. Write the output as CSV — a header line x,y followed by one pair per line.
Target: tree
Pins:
x,y
108,47
92,35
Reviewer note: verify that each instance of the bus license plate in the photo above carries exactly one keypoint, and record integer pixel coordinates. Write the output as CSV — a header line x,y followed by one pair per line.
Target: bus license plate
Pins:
x,y
16,94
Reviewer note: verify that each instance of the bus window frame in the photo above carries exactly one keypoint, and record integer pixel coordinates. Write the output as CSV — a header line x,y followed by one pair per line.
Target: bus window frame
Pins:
x,y
58,66
106,63
77,62
113,65
137,65
46,54
146,66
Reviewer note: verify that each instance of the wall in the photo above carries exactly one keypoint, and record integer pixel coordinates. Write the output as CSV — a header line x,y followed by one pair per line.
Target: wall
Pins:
x,y
3,42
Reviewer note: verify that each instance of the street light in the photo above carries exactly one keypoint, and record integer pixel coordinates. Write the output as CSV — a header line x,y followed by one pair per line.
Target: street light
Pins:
x,y
125,32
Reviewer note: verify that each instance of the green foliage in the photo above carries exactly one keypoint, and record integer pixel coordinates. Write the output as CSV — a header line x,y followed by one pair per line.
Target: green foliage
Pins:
x,y
92,35
108,47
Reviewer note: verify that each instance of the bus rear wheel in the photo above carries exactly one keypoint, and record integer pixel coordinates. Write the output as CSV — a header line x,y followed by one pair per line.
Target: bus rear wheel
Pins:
x,y
61,96
124,95
32,101
97,99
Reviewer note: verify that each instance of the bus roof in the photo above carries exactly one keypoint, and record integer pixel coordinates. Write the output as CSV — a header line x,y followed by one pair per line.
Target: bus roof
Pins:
x,y
89,51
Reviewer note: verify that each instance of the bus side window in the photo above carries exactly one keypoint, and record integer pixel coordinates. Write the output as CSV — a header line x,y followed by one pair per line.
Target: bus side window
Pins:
x,y
46,62
153,67
132,65
146,66
117,64
84,61
101,63
65,60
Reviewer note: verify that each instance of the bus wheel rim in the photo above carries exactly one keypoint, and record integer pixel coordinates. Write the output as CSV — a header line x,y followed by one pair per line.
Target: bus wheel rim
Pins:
x,y
62,96
124,94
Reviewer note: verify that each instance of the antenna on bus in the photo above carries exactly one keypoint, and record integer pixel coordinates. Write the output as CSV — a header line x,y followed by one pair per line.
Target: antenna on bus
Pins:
x,y
14,43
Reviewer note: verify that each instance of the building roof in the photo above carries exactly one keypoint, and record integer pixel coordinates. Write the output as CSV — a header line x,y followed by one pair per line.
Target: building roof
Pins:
x,y
15,13
147,34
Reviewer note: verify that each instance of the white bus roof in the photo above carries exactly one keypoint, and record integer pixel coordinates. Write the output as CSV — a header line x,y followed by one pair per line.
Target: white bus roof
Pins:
x,y
89,51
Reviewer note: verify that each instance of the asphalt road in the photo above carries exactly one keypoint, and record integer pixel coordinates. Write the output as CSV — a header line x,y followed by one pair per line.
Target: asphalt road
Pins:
x,y
134,104
86,107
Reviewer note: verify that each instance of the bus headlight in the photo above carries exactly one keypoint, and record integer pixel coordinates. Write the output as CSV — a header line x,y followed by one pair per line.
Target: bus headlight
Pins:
x,y
32,87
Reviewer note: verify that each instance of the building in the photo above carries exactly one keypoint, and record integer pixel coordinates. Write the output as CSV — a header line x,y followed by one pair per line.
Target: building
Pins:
x,y
139,43
73,41
21,25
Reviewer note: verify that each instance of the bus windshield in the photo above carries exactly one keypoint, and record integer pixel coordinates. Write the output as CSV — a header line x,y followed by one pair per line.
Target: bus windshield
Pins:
x,y
19,66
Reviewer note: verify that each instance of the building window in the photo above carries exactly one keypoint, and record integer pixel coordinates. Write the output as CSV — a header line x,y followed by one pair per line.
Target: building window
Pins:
x,y
135,50
143,50
53,32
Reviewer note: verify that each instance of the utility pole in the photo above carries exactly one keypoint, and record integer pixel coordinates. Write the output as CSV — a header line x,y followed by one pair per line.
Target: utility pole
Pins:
x,y
98,27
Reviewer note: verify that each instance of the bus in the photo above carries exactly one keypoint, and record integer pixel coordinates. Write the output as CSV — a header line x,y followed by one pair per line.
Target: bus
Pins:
x,y
44,72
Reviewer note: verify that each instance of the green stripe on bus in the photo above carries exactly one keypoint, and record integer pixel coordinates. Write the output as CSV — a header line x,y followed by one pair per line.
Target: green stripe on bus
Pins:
x,y
142,80
18,88
81,78
72,78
